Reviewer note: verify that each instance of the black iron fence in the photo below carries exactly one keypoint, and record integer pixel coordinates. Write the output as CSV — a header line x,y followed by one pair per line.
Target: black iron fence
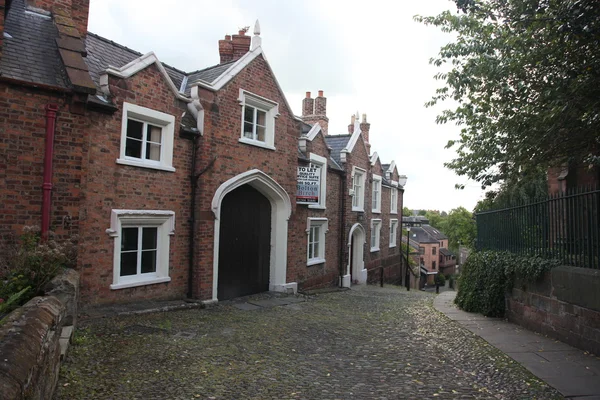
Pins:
x,y
563,226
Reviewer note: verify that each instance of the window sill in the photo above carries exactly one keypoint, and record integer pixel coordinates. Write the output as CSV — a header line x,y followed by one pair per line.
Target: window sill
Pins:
x,y
256,143
142,164
374,249
376,211
357,209
392,245
315,261
394,212
141,282
317,207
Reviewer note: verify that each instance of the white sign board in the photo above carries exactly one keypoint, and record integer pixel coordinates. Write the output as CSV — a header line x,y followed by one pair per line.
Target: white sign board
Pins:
x,y
309,185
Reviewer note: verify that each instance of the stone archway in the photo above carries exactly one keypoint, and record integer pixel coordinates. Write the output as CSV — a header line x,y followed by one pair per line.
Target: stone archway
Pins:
x,y
281,209
355,270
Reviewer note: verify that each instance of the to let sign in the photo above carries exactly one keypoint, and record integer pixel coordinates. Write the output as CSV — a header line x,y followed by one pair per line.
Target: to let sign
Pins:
x,y
309,183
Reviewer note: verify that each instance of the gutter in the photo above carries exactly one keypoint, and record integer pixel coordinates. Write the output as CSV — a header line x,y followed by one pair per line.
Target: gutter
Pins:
x,y
342,227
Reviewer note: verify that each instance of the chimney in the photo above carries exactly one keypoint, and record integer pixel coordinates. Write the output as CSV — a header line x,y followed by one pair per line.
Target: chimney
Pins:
x,y
365,127
226,49
308,105
233,47
315,110
77,10
352,123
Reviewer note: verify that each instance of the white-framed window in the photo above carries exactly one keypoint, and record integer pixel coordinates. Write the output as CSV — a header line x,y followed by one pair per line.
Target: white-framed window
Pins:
x,y
258,120
358,189
146,138
393,200
376,194
316,229
141,249
393,232
322,163
375,234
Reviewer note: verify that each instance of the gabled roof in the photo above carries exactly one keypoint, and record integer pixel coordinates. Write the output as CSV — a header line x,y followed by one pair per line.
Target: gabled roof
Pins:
x,y
434,232
445,252
337,144
420,235
29,51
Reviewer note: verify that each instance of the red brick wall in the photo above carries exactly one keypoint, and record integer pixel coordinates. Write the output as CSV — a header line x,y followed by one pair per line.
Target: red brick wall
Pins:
x,y
221,142
22,143
319,275
108,185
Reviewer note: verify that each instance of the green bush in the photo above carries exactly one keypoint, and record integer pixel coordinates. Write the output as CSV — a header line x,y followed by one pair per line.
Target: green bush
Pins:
x,y
29,263
440,280
486,277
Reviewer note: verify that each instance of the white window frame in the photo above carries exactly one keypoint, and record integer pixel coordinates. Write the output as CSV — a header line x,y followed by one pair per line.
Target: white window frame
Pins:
x,y
157,118
359,197
393,232
271,109
376,185
375,229
393,200
323,225
321,162
164,220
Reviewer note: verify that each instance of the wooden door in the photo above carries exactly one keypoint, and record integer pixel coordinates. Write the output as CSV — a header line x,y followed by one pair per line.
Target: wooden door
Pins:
x,y
244,243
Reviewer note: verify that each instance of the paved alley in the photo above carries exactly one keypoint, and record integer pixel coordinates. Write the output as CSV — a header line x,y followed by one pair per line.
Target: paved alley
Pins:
x,y
365,343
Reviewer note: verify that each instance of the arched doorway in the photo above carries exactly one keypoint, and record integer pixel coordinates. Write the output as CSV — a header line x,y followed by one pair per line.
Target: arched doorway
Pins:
x,y
280,211
355,272
245,243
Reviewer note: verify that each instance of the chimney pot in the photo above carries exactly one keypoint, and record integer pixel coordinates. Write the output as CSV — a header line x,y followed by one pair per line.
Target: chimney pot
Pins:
x,y
227,37
242,32
364,119
308,95
320,93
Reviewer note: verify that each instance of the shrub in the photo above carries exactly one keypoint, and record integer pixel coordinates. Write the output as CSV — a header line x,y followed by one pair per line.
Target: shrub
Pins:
x,y
29,264
486,277
440,279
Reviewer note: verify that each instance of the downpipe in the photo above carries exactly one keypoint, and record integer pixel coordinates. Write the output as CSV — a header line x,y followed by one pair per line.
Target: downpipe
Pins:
x,y
51,110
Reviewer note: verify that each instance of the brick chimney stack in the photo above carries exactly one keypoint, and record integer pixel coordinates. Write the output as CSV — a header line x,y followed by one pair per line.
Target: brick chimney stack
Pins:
x,y
365,127
233,47
352,122
77,10
308,105
315,110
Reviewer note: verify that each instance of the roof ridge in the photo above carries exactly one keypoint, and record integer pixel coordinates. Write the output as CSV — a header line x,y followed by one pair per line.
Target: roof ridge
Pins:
x,y
135,52
114,43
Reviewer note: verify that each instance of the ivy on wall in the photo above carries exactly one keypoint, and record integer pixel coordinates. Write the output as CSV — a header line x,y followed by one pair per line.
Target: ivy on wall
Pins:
x,y
486,276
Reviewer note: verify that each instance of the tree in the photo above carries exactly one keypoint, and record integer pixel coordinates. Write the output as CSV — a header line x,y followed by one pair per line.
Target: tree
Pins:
x,y
406,212
460,228
526,76
435,219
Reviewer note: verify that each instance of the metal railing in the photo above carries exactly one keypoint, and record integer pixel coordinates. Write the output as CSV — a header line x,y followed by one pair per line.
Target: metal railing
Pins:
x,y
564,226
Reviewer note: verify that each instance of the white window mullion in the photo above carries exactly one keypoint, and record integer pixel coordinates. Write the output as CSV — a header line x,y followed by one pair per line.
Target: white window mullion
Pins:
x,y
139,250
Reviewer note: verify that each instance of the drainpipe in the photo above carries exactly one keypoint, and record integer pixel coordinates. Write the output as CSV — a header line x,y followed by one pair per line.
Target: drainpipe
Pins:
x,y
342,226
51,110
192,220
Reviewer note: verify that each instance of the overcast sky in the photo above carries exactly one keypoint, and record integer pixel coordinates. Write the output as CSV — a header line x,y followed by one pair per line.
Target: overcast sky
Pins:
x,y
367,56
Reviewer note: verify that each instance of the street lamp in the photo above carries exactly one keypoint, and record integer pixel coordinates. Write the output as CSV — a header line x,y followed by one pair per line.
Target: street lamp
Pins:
x,y
407,276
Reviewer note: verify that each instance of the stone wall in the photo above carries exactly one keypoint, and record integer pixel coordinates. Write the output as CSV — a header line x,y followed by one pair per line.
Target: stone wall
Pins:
x,y
565,305
30,341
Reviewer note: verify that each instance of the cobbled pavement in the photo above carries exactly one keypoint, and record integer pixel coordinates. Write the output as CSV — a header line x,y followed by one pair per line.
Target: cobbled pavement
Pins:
x,y
366,343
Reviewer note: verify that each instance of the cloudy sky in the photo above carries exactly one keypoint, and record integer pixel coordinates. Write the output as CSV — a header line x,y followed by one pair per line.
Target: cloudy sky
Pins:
x,y
367,56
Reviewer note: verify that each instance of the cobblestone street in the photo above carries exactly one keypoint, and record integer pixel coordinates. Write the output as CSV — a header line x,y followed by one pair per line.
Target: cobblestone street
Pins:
x,y
366,343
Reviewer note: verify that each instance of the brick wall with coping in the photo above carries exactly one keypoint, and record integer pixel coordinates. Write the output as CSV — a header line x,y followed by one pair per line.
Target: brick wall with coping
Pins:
x,y
563,305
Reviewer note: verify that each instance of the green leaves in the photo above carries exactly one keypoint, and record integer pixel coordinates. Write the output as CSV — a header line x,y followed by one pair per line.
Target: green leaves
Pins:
x,y
525,76
488,275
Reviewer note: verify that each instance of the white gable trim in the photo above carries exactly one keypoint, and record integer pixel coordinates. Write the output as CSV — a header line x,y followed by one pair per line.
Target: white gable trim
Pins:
x,y
374,158
313,132
136,66
391,168
354,137
231,72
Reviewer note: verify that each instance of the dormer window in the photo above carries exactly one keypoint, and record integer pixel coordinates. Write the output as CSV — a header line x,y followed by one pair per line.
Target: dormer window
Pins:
x,y
258,120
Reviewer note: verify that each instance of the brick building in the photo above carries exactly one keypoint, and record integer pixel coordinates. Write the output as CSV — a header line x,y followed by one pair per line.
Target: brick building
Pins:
x,y
435,257
182,184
